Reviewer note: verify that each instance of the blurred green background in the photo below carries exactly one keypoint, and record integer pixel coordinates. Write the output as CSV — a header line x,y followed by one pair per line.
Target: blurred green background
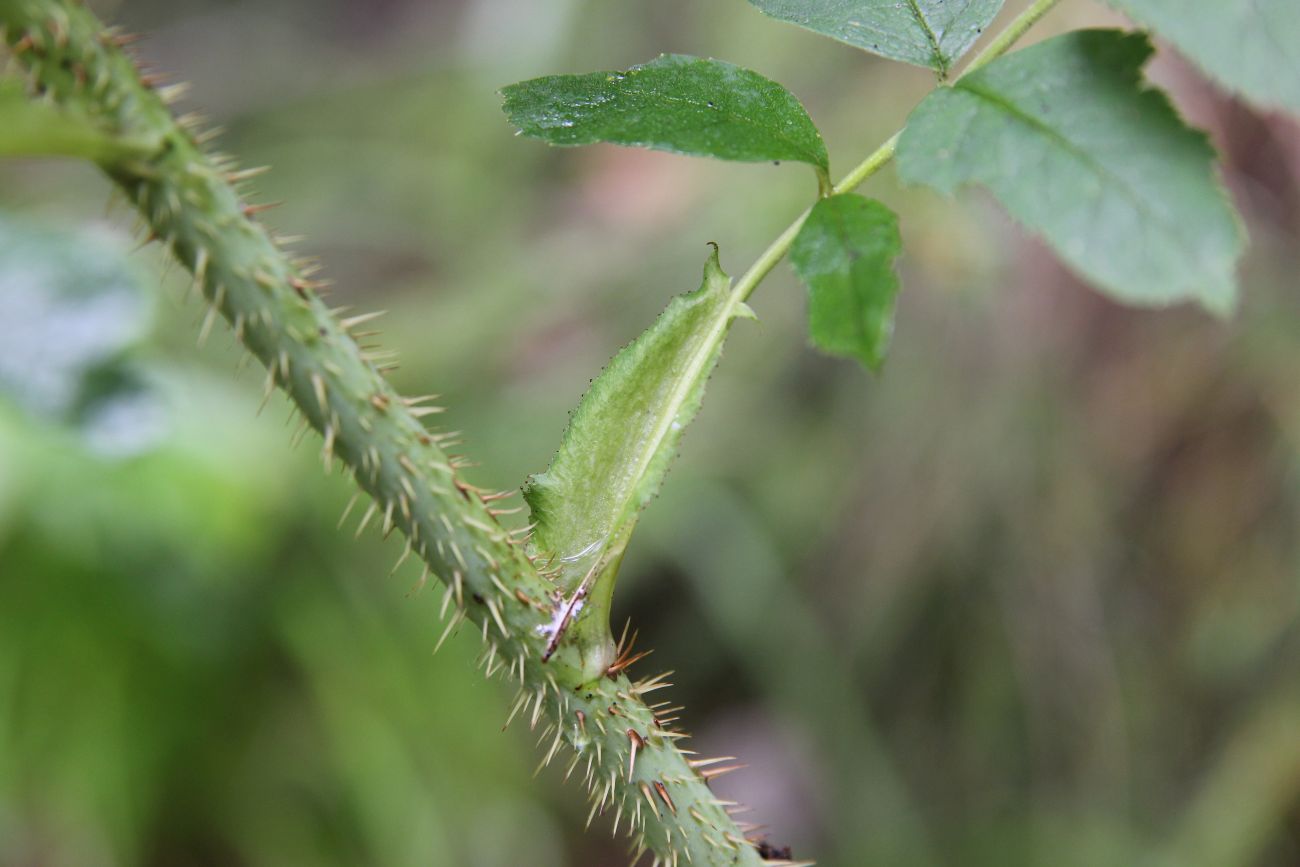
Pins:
x,y
1029,597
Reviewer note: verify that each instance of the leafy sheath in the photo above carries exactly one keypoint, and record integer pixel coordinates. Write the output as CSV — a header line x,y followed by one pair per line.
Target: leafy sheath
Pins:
x,y
1069,140
618,447
628,757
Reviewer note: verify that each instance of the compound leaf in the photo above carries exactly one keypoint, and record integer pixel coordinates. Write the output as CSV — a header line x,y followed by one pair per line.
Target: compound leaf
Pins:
x,y
1066,136
1250,46
675,103
845,255
933,33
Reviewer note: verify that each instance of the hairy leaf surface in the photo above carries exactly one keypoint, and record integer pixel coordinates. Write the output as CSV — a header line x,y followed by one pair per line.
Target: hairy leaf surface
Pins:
x,y
625,433
1251,46
674,103
1067,137
933,33
845,255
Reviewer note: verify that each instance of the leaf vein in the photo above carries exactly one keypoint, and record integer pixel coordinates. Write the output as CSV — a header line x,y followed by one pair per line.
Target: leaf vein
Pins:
x,y
1047,130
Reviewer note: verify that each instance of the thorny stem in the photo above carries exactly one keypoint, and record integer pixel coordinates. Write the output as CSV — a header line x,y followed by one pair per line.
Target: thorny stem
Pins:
x,y
625,750
882,155
191,201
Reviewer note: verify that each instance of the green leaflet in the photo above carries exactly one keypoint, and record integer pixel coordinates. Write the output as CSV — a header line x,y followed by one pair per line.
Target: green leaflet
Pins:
x,y
1066,136
31,128
933,33
674,103
618,446
1251,46
845,255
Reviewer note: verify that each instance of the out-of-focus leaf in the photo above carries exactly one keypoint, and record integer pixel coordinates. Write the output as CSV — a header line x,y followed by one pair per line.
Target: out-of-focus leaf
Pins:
x,y
73,307
1246,795
933,33
675,103
1065,135
845,255
622,438
1250,46
30,127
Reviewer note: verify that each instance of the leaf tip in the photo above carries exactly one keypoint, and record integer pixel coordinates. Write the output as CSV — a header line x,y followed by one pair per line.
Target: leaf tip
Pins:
x,y
713,265
1222,305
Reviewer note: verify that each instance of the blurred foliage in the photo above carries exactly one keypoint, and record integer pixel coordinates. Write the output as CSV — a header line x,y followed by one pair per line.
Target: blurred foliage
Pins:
x,y
1029,596
75,310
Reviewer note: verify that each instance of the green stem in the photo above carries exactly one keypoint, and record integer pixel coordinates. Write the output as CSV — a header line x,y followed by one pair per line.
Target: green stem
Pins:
x,y
192,202
1010,35
882,155
874,162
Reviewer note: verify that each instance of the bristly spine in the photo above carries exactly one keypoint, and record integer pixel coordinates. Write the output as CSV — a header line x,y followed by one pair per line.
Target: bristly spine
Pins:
x,y
194,204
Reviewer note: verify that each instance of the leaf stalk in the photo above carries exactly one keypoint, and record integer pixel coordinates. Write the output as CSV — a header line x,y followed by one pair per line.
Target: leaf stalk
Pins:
x,y
881,156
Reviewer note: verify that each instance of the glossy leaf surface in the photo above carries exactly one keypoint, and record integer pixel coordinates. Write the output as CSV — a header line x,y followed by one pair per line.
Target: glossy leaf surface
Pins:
x,y
686,105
